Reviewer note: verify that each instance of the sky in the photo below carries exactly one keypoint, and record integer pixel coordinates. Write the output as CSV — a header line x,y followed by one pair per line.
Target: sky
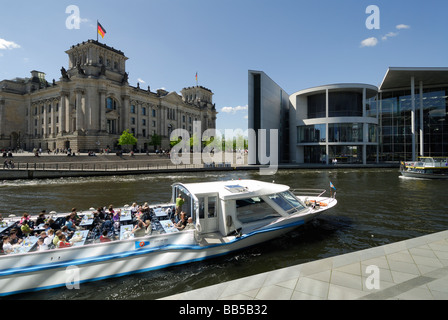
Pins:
x,y
299,44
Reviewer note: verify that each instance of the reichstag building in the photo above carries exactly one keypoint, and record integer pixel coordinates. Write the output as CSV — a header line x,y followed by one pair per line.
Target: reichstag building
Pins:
x,y
92,103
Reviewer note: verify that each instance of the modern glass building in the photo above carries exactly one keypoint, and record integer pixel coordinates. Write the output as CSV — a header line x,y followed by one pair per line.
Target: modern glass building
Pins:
x,y
405,117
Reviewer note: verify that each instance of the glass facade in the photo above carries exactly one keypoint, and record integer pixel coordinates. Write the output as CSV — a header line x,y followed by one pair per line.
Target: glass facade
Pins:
x,y
346,154
395,118
315,133
345,132
345,104
317,105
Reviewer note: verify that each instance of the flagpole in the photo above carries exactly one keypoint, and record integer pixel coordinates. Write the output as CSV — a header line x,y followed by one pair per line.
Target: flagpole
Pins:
x,y
96,30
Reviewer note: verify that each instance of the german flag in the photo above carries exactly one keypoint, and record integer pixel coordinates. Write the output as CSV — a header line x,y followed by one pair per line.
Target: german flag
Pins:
x,y
101,30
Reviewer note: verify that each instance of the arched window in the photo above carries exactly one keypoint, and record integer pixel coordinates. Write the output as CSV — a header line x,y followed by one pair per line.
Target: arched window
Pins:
x,y
111,104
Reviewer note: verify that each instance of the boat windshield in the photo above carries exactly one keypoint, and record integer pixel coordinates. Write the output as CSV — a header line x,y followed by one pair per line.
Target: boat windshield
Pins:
x,y
287,201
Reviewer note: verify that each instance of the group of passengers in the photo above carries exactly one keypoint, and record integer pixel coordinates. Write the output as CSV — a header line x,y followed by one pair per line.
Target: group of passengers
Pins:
x,y
105,226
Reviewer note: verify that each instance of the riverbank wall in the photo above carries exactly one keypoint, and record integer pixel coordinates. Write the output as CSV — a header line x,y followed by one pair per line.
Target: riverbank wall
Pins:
x,y
49,166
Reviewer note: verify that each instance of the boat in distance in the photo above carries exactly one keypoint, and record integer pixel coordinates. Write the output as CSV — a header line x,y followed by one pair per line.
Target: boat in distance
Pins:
x,y
227,216
426,168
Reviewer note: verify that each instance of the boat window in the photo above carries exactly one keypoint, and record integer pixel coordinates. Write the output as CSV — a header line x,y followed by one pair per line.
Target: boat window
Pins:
x,y
293,200
211,207
287,202
285,205
254,209
201,207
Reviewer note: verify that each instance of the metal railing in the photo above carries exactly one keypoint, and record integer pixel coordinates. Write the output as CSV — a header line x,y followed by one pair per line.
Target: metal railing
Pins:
x,y
94,167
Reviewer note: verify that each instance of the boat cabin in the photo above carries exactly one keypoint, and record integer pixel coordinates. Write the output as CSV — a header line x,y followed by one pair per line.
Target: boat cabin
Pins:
x,y
231,206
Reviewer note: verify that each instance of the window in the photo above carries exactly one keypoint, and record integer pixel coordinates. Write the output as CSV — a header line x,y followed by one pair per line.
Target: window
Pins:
x,y
111,104
153,112
254,209
111,126
144,122
315,133
132,120
345,132
317,105
211,207
132,109
345,104
144,111
287,201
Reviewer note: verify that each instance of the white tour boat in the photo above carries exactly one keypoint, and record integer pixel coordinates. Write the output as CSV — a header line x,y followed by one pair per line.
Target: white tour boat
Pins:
x,y
228,216
426,168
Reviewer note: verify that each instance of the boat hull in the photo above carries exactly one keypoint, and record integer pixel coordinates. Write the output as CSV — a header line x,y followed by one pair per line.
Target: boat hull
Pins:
x,y
419,175
71,267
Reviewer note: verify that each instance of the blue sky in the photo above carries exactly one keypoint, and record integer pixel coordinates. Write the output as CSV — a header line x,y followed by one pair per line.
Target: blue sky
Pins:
x,y
299,44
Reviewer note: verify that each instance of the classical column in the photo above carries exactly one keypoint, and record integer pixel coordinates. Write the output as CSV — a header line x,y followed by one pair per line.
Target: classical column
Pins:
x,y
63,112
102,111
79,111
53,118
124,113
45,124
2,110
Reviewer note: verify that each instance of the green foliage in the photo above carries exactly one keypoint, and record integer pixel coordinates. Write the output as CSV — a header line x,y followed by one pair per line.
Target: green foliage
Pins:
x,y
127,139
156,140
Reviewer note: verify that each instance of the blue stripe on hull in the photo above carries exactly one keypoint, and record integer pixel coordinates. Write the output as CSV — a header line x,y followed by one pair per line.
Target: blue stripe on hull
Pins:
x,y
129,254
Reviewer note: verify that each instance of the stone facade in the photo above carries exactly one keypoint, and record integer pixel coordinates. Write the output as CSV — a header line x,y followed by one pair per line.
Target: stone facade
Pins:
x,y
93,103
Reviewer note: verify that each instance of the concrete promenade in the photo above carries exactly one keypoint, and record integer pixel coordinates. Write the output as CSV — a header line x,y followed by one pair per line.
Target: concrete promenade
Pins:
x,y
414,269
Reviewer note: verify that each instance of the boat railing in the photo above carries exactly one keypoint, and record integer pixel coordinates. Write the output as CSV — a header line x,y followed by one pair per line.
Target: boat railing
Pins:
x,y
309,192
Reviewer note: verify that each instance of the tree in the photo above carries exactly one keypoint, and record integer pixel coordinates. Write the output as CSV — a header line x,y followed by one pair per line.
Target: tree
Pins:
x,y
127,139
156,140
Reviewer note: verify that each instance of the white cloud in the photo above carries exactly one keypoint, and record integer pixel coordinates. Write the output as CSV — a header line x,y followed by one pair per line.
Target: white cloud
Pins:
x,y
403,26
8,45
390,35
140,80
369,42
234,109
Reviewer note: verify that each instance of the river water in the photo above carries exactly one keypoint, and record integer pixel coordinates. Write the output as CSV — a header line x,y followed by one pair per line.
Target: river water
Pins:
x,y
375,207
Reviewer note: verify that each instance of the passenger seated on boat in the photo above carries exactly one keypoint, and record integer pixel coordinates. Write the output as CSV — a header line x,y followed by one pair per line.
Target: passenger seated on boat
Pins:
x,y
7,246
13,238
26,229
65,231
49,239
134,208
116,219
190,224
111,212
56,238
107,226
25,217
182,222
139,230
41,218
147,226
70,223
63,243
74,215
101,213
104,237
41,245
53,225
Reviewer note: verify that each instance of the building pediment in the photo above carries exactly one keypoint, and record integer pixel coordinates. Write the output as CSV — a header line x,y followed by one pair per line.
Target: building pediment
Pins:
x,y
172,97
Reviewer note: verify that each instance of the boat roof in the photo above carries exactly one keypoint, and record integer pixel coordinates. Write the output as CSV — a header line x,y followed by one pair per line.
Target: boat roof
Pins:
x,y
235,189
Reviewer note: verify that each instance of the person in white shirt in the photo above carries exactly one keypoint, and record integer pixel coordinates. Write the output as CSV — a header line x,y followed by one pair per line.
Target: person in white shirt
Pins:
x,y
7,246
49,238
41,245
